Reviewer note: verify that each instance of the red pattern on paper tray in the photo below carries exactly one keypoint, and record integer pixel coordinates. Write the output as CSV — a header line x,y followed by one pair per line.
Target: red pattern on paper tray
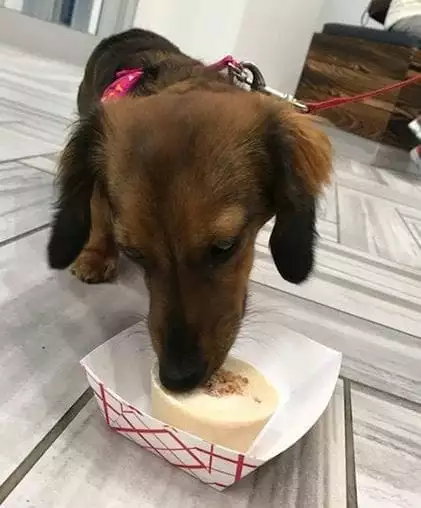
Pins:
x,y
211,464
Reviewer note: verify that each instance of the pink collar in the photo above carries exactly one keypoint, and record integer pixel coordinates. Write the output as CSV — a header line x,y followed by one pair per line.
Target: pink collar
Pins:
x,y
124,82
127,78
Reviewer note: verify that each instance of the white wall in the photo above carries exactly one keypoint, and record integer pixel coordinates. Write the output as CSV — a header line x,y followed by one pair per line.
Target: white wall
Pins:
x,y
40,37
275,34
17,5
205,29
348,12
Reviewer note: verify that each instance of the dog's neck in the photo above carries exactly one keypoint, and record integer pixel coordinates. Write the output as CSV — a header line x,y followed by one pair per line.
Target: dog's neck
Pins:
x,y
181,73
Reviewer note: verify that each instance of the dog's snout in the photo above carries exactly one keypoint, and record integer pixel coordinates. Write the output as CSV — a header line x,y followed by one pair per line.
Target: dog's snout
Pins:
x,y
182,376
182,363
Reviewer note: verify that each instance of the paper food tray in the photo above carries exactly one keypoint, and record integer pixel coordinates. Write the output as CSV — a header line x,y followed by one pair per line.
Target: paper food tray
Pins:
x,y
304,372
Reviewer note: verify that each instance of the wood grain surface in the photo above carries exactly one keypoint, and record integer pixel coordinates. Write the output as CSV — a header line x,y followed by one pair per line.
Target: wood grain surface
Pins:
x,y
345,66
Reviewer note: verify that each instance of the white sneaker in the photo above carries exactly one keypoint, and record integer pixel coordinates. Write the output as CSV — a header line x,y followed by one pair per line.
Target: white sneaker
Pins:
x,y
415,127
416,156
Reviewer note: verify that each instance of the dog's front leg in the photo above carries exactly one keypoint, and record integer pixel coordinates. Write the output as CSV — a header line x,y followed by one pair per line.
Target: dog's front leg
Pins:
x,y
98,260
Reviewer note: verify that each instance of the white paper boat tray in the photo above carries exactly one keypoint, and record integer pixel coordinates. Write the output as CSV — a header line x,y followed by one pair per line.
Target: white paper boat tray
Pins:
x,y
304,372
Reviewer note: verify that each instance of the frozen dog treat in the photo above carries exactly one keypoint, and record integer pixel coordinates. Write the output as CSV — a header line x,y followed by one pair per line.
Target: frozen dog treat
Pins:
x,y
229,410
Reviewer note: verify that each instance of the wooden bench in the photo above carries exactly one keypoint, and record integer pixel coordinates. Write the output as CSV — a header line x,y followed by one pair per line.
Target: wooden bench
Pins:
x,y
347,62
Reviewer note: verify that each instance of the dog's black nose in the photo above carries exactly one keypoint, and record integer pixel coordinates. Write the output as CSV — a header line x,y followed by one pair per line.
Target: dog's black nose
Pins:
x,y
182,378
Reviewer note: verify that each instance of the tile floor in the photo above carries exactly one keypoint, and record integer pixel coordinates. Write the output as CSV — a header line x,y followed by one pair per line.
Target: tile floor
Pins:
x,y
364,299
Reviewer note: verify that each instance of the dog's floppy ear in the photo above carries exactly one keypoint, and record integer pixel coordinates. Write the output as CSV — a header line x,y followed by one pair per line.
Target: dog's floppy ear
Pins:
x,y
79,168
300,159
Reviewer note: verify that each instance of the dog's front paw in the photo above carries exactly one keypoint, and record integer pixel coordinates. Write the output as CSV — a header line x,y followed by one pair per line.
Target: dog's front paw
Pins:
x,y
94,267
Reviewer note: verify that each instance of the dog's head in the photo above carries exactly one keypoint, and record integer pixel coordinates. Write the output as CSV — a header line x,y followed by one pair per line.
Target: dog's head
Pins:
x,y
190,178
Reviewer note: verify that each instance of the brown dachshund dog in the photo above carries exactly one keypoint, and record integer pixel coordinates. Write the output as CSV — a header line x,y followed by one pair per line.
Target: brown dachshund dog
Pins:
x,y
180,175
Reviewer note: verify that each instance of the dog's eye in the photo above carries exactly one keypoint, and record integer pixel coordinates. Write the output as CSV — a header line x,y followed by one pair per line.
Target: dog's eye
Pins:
x,y
224,245
222,250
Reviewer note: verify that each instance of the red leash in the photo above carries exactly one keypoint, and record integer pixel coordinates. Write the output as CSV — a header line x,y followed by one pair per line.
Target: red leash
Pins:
x,y
249,74
314,107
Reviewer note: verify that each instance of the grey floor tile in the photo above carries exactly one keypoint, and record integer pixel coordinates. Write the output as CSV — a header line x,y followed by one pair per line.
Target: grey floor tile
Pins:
x,y
327,206
43,163
402,183
33,70
327,230
48,323
40,95
365,171
43,98
41,130
413,223
369,152
374,189
7,117
90,466
15,145
44,444
388,451
373,354
375,225
342,280
354,229
36,126
25,199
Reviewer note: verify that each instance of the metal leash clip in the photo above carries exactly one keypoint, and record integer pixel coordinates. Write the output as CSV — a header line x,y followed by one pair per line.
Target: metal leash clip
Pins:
x,y
249,74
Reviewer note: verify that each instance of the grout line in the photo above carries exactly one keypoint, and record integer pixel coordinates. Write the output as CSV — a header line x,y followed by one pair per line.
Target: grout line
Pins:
x,y
46,442
16,238
328,221
370,259
388,396
338,216
403,300
33,156
411,233
8,122
45,171
330,307
394,199
351,481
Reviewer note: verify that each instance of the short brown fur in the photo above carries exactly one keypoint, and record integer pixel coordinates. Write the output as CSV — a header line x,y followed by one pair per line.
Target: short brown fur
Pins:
x,y
181,181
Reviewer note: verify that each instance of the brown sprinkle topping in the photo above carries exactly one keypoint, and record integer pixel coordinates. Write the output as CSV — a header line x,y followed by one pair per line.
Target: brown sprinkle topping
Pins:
x,y
225,382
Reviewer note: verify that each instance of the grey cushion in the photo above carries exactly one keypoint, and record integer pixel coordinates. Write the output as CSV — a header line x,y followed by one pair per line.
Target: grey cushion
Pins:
x,y
372,34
